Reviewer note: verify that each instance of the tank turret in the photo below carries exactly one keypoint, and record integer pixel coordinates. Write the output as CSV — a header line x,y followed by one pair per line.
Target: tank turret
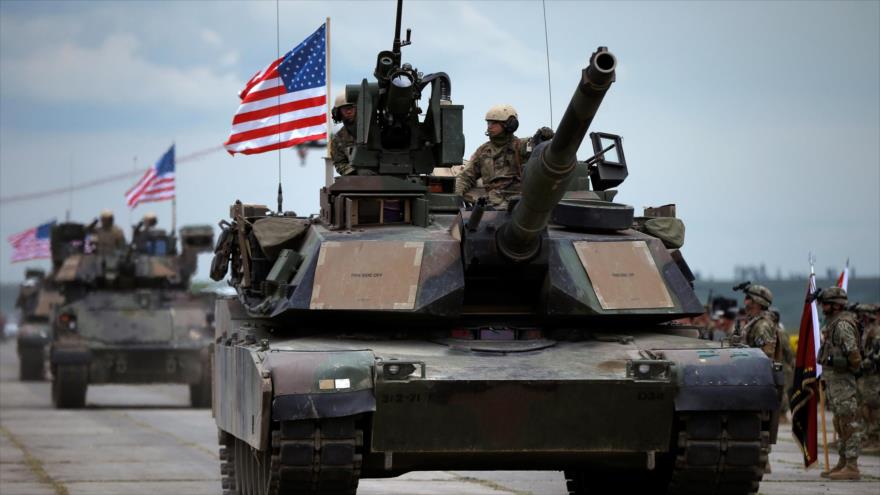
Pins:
x,y
551,165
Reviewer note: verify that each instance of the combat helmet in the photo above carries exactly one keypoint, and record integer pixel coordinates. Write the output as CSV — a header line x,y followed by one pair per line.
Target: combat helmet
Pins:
x,y
868,311
338,103
833,295
759,294
505,114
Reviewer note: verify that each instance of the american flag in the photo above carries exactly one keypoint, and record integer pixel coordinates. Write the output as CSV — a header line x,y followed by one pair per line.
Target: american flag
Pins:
x,y
285,103
32,244
157,183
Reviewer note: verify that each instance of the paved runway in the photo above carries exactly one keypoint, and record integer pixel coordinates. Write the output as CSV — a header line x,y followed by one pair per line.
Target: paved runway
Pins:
x,y
145,440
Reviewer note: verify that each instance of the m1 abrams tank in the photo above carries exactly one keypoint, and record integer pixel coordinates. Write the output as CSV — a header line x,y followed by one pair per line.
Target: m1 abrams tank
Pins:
x,y
128,315
398,331
36,297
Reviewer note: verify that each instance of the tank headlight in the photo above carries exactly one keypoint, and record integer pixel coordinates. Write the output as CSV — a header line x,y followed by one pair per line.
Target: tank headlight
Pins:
x,y
402,370
649,369
67,321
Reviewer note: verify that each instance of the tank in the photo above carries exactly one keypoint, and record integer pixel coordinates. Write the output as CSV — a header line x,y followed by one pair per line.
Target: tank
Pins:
x,y
36,298
401,330
128,315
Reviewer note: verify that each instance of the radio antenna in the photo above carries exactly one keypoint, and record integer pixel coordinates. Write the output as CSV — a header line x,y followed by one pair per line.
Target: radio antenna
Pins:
x,y
547,50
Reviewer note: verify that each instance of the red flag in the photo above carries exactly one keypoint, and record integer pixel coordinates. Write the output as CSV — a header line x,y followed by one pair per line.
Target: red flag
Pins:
x,y
843,279
804,395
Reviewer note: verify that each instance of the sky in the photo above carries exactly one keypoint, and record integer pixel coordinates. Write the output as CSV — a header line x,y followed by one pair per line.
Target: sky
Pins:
x,y
760,120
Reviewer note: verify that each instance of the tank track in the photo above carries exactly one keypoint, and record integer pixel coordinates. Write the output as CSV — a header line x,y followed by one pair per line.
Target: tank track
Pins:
x,y
719,453
310,457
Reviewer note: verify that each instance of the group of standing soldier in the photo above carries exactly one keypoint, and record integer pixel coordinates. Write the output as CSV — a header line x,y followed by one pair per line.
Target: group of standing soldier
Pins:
x,y
497,162
849,354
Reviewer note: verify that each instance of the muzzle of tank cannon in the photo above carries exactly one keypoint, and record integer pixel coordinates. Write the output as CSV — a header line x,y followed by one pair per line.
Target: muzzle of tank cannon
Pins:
x,y
551,165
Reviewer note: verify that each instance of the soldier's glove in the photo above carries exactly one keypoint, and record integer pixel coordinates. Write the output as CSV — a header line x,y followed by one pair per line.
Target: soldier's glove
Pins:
x,y
543,134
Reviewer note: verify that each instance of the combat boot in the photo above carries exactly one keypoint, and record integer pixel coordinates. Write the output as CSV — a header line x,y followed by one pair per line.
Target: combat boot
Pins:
x,y
850,472
841,462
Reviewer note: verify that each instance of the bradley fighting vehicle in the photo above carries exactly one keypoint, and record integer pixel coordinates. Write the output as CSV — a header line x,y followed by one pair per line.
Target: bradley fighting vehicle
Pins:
x,y
36,298
398,331
128,315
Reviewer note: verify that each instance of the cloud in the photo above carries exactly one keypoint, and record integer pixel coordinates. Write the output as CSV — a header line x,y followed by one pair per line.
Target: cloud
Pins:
x,y
230,58
113,73
210,37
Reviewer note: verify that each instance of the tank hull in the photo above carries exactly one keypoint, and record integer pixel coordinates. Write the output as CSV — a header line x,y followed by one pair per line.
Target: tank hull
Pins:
x,y
133,337
468,404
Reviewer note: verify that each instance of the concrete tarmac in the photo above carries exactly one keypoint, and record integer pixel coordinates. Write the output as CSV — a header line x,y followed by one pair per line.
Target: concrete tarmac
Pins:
x,y
144,440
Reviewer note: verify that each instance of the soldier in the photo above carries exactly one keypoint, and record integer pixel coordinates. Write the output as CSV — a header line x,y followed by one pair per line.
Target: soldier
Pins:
x,y
108,238
869,383
787,358
759,329
345,112
839,354
499,161
147,223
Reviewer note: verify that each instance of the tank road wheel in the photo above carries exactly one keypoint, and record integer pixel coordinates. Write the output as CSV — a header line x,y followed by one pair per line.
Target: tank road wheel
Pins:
x,y
200,393
312,457
30,365
69,385
722,453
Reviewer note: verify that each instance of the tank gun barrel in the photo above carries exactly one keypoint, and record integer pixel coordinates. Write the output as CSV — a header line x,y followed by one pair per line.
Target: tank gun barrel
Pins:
x,y
550,167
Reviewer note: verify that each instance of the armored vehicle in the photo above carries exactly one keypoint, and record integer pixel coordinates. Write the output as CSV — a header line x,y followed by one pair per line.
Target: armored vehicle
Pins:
x,y
36,297
400,330
128,315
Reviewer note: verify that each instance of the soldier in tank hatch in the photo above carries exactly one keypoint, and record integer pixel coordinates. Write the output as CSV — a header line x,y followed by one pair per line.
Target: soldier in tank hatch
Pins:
x,y
499,161
842,362
142,231
344,112
108,238
759,329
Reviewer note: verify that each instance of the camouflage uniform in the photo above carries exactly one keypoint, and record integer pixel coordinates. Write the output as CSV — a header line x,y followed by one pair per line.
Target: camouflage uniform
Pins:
x,y
760,331
343,139
108,240
841,341
499,163
869,384
787,357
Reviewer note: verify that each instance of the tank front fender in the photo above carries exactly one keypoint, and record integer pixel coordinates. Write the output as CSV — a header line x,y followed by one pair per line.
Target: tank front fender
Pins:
x,y
727,379
310,385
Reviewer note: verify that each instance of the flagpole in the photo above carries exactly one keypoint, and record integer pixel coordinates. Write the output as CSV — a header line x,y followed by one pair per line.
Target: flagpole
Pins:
x,y
824,431
328,169
820,380
174,198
